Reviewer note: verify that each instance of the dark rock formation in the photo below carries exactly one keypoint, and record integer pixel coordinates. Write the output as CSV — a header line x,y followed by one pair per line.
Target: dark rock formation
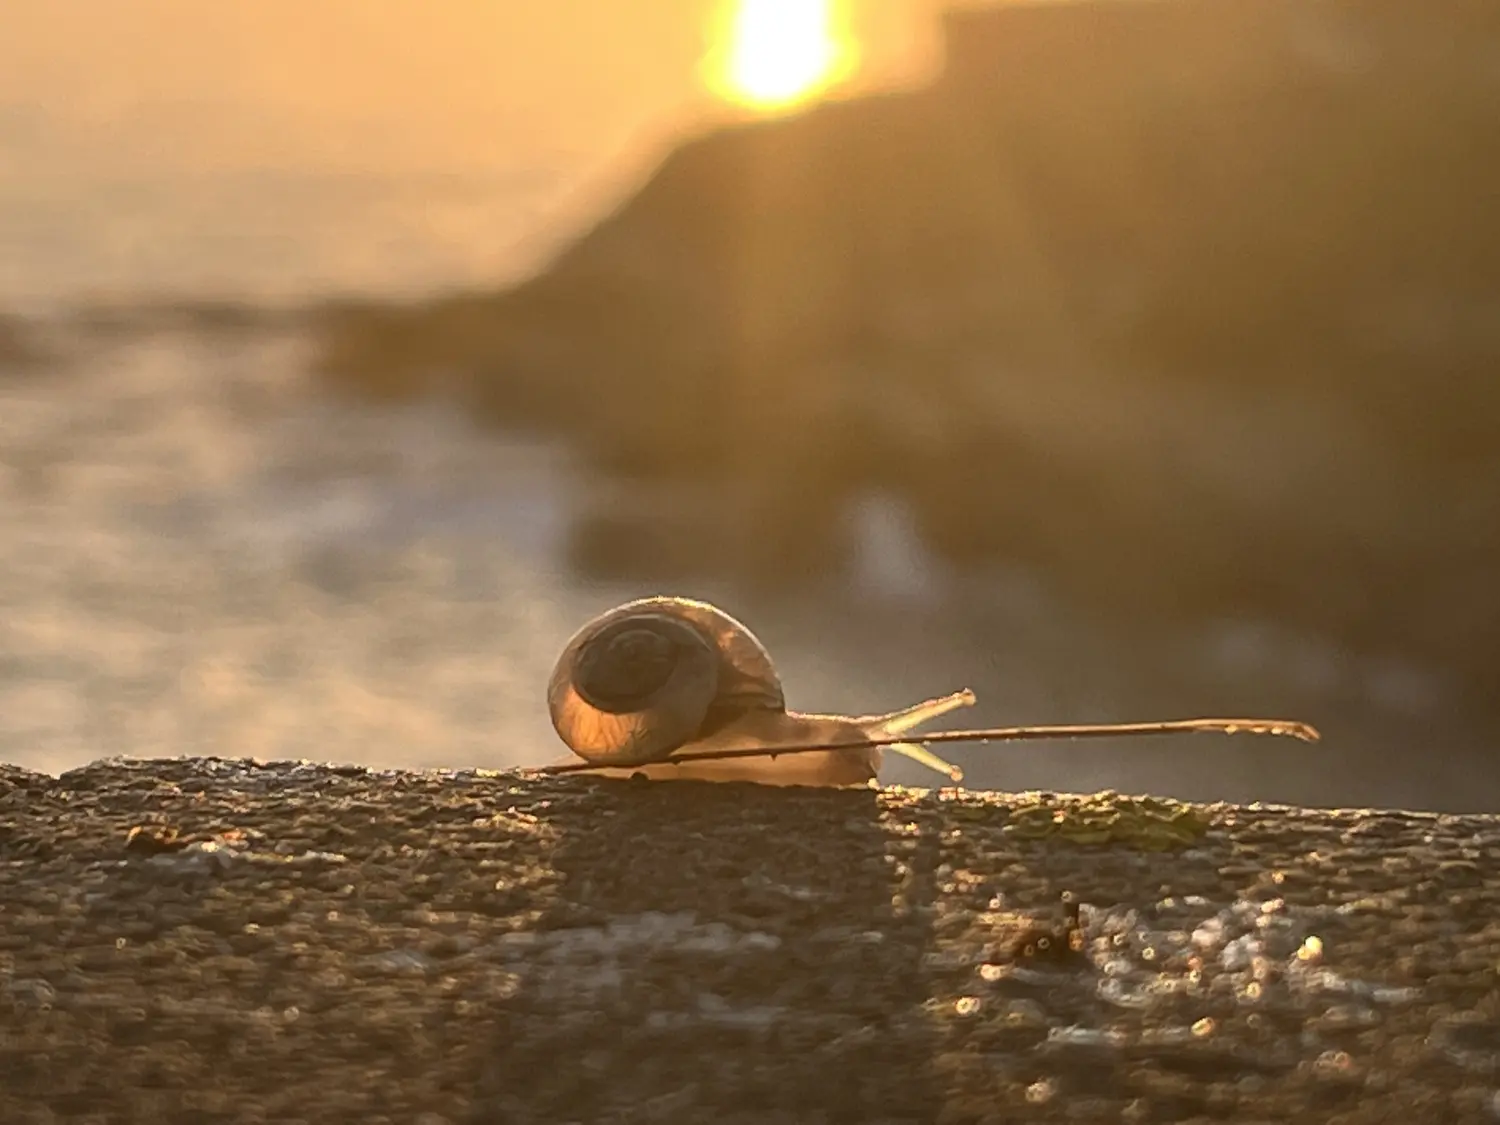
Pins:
x,y
204,940
1193,306
18,351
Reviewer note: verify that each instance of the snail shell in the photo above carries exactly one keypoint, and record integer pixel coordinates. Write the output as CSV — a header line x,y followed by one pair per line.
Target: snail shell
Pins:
x,y
668,678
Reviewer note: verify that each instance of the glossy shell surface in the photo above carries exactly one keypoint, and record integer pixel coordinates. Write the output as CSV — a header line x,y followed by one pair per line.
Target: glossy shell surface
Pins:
x,y
646,678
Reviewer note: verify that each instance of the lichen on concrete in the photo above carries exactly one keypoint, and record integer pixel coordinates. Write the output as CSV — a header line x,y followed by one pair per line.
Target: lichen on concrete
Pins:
x,y
1149,823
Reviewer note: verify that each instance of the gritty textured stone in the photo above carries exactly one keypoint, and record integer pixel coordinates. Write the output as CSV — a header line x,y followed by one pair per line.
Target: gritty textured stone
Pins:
x,y
279,942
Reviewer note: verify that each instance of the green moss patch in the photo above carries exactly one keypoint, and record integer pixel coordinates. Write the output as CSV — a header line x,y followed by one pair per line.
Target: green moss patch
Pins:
x,y
1153,824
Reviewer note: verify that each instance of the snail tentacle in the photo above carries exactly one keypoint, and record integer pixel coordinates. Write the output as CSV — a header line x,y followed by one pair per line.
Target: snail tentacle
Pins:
x,y
909,718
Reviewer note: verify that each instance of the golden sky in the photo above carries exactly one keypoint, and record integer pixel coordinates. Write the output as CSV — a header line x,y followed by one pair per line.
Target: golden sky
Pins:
x,y
458,80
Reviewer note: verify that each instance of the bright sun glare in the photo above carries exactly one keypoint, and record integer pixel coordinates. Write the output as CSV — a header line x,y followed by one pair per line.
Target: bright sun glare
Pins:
x,y
772,54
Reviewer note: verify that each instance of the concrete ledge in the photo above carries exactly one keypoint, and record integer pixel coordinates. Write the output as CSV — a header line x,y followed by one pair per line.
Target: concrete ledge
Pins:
x,y
289,942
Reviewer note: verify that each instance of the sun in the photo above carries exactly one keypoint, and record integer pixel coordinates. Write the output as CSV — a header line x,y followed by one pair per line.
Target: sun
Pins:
x,y
774,54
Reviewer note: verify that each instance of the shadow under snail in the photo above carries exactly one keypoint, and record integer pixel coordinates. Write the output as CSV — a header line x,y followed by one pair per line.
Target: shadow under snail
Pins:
x,y
672,688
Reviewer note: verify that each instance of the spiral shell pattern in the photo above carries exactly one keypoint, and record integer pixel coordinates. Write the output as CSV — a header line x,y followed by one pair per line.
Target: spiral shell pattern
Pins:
x,y
638,682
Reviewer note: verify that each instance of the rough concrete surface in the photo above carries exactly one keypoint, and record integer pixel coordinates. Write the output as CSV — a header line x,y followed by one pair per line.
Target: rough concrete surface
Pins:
x,y
281,942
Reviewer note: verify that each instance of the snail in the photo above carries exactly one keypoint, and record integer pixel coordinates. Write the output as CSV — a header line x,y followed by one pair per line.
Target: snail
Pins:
x,y
673,688
653,684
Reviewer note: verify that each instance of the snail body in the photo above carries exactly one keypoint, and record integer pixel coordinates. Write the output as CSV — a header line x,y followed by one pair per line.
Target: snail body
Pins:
x,y
652,684
672,688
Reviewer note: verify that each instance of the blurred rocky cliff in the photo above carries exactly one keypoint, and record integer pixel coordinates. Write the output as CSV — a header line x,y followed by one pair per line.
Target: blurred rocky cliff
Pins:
x,y
18,351
1192,306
